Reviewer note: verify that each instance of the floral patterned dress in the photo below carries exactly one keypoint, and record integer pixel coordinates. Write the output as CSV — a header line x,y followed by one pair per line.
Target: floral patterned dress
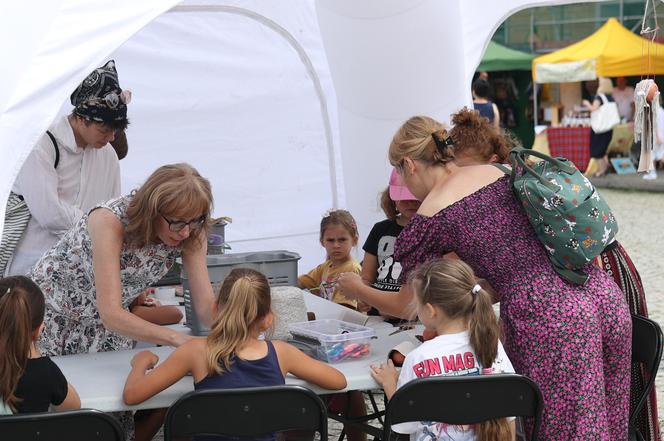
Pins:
x,y
573,341
65,275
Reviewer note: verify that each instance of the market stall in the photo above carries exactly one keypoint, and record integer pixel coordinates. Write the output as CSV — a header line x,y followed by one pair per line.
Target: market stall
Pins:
x,y
574,143
510,78
612,51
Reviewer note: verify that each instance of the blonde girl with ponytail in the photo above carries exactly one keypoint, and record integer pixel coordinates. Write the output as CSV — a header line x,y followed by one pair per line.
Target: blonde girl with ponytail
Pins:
x,y
449,300
233,355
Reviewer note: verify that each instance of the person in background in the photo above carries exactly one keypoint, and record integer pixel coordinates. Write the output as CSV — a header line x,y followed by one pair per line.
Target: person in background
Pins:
x,y
624,97
233,355
120,144
658,151
29,382
599,142
338,235
449,300
150,309
380,272
483,104
66,176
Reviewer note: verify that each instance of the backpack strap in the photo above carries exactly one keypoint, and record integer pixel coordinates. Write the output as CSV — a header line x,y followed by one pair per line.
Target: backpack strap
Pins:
x,y
502,168
57,154
55,146
577,277
517,158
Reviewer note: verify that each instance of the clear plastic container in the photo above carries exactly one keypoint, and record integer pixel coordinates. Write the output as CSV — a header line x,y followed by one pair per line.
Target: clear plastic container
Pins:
x,y
335,340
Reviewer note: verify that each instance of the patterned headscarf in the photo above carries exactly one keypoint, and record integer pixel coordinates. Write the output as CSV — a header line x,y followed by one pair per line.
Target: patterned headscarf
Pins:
x,y
99,97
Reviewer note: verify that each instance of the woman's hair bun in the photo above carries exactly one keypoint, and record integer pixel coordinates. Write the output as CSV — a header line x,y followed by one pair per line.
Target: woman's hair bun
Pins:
x,y
466,117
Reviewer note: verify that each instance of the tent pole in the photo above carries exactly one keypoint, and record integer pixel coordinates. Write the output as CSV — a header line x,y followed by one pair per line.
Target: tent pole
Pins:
x,y
535,113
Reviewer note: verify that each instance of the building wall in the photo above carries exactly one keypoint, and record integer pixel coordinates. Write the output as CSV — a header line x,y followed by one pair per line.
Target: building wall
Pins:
x,y
544,29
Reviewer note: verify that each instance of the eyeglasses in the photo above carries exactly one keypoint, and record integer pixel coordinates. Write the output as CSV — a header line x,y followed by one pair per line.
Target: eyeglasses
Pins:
x,y
178,225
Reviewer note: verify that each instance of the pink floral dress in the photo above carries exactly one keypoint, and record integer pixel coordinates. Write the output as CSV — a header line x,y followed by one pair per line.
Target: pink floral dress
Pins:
x,y
573,341
65,275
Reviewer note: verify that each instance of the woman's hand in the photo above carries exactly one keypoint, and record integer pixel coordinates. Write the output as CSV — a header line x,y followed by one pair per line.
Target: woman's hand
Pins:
x,y
144,360
350,284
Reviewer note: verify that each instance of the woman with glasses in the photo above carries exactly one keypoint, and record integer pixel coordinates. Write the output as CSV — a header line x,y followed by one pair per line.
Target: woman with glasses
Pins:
x,y
116,251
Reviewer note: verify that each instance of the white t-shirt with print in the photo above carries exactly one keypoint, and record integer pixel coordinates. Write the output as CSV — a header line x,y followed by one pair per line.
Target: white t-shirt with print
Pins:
x,y
445,355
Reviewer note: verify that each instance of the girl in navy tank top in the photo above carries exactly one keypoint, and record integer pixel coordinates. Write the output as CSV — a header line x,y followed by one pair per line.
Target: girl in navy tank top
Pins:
x,y
232,355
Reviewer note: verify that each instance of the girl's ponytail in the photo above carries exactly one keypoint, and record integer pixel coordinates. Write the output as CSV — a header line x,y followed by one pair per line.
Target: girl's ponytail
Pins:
x,y
484,333
15,339
483,327
244,298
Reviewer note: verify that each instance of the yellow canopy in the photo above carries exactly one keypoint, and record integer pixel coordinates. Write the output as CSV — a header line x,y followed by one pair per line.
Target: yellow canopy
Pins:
x,y
611,51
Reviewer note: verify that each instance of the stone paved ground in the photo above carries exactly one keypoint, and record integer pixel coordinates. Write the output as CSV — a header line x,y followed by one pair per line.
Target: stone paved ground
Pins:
x,y
641,220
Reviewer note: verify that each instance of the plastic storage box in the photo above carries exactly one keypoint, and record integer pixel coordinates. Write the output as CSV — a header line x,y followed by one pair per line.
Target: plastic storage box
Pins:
x,y
335,340
280,268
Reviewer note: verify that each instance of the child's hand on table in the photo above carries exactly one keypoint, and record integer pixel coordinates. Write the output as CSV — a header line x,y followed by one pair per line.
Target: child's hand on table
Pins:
x,y
144,360
386,375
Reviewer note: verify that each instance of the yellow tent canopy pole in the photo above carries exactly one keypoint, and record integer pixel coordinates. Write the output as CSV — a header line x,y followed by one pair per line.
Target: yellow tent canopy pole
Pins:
x,y
611,51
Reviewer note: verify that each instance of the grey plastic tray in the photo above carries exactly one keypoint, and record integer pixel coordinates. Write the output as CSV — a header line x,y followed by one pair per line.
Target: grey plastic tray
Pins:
x,y
279,266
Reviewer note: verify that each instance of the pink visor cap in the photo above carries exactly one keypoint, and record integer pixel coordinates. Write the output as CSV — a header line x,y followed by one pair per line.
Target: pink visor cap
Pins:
x,y
398,190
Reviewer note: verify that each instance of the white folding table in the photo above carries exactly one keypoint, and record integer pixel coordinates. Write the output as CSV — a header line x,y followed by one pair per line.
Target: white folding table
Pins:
x,y
99,377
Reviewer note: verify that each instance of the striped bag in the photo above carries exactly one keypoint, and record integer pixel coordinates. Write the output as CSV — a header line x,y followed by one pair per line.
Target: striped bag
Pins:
x,y
17,217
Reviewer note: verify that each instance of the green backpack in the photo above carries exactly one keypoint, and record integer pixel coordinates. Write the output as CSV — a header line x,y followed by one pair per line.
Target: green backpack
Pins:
x,y
569,216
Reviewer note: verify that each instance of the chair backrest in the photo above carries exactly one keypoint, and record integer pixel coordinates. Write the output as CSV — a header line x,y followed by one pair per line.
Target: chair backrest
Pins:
x,y
465,400
647,340
246,412
72,425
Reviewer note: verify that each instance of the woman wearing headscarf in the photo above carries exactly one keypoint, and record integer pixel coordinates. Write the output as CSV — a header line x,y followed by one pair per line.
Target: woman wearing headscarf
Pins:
x,y
72,168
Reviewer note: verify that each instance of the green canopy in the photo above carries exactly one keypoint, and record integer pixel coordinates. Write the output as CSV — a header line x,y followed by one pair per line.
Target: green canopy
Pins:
x,y
499,57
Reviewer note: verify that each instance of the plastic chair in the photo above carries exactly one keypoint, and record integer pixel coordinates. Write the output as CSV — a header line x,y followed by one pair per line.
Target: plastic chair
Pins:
x,y
465,400
246,412
647,342
72,425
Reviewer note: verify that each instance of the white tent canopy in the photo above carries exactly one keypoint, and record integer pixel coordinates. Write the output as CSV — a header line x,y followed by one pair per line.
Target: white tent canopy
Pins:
x,y
243,90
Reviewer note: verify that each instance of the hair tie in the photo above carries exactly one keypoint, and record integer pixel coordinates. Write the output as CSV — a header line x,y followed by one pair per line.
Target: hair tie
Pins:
x,y
477,288
442,145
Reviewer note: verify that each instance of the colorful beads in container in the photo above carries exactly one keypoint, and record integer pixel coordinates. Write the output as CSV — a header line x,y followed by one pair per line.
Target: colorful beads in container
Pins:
x,y
347,351
335,340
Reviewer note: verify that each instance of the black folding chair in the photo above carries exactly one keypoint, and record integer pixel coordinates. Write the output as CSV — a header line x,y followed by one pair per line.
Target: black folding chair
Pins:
x,y
361,422
465,400
72,425
249,412
647,342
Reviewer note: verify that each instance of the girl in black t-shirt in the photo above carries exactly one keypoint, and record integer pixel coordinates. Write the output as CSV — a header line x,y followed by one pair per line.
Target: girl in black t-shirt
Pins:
x,y
379,269
28,381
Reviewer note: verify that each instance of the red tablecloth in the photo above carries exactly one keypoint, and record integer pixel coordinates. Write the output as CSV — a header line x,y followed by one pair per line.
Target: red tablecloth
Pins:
x,y
572,143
